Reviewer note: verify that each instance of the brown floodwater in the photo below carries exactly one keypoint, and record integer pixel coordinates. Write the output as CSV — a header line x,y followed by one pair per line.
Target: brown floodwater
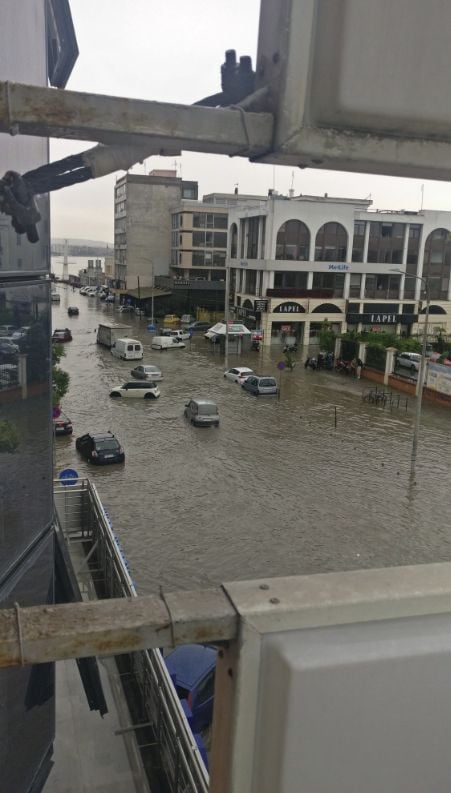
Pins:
x,y
276,490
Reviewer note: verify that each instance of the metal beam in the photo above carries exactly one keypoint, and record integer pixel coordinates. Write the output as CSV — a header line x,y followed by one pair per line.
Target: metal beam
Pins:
x,y
39,634
33,110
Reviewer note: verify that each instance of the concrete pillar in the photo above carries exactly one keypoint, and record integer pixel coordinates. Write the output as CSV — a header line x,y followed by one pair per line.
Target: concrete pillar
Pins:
x,y
362,351
337,348
362,286
306,335
418,284
266,325
346,286
22,372
389,363
402,287
309,280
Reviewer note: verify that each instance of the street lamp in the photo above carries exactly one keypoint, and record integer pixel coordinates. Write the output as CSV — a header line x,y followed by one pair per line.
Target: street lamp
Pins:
x,y
416,427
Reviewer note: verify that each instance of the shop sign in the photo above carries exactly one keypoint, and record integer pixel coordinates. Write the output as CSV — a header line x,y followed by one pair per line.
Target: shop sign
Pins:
x,y
340,268
243,263
381,319
260,305
288,308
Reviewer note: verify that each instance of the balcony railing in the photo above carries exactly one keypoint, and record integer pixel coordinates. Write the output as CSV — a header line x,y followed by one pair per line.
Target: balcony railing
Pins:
x,y
103,572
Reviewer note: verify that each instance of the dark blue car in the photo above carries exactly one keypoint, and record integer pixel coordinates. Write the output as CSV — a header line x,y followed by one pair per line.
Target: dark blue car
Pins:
x,y
192,669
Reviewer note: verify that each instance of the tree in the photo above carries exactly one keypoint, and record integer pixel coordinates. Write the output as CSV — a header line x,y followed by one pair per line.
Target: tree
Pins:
x,y
60,378
327,337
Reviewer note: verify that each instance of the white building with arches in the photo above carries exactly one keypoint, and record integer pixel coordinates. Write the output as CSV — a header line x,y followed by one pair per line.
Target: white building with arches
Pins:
x,y
297,261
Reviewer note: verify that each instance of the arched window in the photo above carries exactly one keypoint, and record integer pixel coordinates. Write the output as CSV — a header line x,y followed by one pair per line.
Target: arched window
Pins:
x,y
247,304
437,263
293,241
233,241
434,310
331,243
327,308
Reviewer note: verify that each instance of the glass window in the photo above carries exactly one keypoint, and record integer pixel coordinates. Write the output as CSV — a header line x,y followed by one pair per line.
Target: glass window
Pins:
x,y
220,239
386,242
252,238
220,221
358,241
437,262
25,423
293,241
233,241
331,243
330,281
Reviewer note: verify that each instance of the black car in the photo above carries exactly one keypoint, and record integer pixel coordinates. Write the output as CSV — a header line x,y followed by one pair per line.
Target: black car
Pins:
x,y
199,326
62,425
73,311
100,448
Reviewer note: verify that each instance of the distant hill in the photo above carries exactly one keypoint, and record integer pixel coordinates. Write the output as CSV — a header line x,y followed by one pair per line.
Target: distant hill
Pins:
x,y
80,247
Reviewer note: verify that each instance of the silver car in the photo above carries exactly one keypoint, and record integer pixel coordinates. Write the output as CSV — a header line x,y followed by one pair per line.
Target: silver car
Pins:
x,y
409,360
147,371
202,412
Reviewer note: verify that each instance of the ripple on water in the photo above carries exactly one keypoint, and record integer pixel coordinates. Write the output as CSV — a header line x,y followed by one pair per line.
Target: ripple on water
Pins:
x,y
276,490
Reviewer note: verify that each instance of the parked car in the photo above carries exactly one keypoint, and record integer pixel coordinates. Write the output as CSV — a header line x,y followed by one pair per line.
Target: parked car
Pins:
x,y
61,335
202,412
127,349
182,335
136,389
260,385
9,375
167,343
20,333
147,371
409,360
109,299
8,347
7,330
100,448
73,311
192,668
257,335
238,374
62,425
199,326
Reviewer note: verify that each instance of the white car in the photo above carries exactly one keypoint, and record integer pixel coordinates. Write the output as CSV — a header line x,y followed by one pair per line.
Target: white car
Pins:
x,y
136,390
410,360
183,335
238,374
147,371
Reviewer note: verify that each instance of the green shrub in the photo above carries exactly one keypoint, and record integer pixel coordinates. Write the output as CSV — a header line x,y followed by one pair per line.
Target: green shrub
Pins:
x,y
9,437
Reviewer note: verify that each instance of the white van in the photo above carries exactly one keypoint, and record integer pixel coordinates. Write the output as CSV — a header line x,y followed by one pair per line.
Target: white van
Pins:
x,y
127,349
167,343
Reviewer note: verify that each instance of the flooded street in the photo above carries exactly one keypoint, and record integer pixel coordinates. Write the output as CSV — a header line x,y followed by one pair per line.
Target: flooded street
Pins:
x,y
276,490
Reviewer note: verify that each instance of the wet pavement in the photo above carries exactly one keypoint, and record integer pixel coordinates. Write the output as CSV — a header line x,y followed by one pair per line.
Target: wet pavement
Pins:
x,y
276,490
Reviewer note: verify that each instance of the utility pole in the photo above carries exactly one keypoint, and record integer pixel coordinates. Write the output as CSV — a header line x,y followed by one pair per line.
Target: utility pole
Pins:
x,y
152,295
226,316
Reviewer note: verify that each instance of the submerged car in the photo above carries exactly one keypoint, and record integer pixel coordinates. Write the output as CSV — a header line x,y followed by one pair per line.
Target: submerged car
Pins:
x,y
199,325
192,668
183,335
260,385
202,412
100,448
62,425
147,371
238,374
61,335
136,389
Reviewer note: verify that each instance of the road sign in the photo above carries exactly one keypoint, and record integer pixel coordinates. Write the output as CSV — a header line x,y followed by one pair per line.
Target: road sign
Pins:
x,y
68,477
281,365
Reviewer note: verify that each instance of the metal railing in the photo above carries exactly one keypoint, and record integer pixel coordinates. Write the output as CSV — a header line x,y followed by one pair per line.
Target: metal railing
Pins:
x,y
103,572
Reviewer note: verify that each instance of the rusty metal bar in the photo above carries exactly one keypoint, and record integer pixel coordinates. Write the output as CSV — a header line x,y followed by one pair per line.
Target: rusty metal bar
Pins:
x,y
34,110
39,634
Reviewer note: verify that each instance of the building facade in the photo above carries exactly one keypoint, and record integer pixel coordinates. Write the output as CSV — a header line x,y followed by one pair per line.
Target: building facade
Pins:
x,y
37,46
142,225
306,259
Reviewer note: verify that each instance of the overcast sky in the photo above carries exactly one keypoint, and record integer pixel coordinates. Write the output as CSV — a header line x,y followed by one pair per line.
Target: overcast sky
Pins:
x,y
172,51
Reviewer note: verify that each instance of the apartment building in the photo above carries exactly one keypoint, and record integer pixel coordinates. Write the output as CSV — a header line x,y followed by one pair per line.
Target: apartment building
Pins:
x,y
142,225
199,236
296,261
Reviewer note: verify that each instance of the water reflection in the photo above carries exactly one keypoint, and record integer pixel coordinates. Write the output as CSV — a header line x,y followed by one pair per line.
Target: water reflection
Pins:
x,y
276,490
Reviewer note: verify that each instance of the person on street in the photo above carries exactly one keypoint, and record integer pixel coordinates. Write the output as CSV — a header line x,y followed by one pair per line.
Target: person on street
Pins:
x,y
358,370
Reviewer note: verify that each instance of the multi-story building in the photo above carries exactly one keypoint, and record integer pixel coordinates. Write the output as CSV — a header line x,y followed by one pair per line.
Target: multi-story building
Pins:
x,y
199,236
142,225
37,46
307,259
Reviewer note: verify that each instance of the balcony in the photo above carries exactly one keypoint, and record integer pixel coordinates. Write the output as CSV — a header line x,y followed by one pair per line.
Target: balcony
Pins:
x,y
309,293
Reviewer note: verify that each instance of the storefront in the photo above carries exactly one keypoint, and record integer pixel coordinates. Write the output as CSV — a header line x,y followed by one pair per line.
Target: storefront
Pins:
x,y
287,319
